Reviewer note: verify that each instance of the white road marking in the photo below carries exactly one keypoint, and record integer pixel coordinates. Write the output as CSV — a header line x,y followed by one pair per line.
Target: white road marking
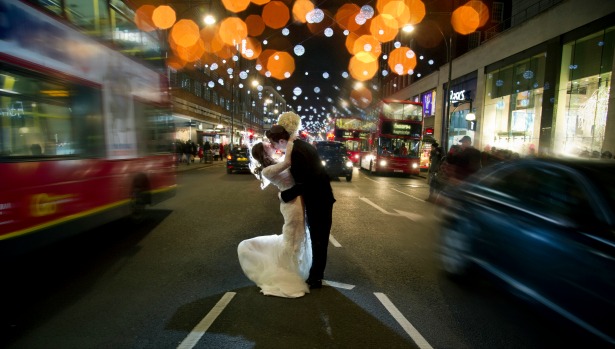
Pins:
x,y
338,284
334,242
412,196
411,216
405,324
199,330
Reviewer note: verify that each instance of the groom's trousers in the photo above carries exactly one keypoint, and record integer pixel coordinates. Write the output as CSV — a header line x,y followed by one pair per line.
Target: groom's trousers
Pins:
x,y
319,218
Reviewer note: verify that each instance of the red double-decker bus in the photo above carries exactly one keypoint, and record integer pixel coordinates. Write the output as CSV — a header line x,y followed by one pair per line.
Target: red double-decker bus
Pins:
x,y
395,147
85,130
355,133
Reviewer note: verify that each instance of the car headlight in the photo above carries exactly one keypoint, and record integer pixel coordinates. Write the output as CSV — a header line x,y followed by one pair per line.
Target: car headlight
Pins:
x,y
383,163
415,165
348,163
356,156
324,163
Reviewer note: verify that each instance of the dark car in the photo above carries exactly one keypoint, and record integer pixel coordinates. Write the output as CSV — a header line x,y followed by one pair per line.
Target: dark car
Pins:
x,y
238,160
545,227
334,157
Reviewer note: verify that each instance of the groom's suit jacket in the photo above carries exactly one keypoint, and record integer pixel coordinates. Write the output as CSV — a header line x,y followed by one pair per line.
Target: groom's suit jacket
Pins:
x,y
311,180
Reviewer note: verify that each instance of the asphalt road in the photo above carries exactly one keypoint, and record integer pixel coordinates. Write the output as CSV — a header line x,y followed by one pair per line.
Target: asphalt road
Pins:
x,y
173,281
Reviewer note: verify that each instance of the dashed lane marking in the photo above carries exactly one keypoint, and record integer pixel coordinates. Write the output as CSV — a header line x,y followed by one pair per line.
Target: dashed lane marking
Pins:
x,y
199,330
405,324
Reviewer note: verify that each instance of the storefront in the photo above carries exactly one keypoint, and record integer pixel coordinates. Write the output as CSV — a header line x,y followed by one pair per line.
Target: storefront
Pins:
x,y
513,105
461,97
583,95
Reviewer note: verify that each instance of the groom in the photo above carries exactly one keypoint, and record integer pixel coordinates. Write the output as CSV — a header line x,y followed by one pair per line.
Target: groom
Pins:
x,y
312,182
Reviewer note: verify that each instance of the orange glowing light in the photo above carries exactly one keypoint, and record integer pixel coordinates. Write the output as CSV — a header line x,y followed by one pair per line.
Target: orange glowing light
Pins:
x,y
281,65
260,2
300,10
233,30
361,97
236,5
465,20
345,16
367,48
255,24
384,27
263,58
362,71
481,9
175,63
397,10
163,17
252,49
417,11
276,14
143,18
185,33
402,60
191,53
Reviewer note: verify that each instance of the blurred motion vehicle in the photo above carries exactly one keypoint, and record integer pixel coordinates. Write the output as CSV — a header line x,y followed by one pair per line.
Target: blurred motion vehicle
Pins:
x,y
238,160
545,227
335,159
86,132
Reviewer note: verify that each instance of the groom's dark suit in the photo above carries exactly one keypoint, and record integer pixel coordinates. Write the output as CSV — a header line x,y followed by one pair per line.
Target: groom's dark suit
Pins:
x,y
313,183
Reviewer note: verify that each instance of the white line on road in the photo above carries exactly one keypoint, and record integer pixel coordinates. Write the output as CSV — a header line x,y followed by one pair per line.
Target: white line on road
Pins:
x,y
412,196
405,324
338,284
334,242
199,330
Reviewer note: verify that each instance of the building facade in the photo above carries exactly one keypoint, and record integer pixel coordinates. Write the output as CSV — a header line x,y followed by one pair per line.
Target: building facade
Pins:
x,y
543,85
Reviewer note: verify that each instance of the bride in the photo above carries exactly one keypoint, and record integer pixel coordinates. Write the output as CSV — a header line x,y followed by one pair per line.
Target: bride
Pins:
x,y
278,264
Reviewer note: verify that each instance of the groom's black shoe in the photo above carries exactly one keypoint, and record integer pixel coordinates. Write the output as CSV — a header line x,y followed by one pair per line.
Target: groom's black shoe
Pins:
x,y
314,283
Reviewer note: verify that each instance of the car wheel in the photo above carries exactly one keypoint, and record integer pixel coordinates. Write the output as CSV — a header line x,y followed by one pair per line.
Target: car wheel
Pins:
x,y
348,177
229,171
456,247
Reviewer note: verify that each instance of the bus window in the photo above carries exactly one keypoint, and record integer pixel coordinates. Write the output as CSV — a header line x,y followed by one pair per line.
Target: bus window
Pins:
x,y
44,118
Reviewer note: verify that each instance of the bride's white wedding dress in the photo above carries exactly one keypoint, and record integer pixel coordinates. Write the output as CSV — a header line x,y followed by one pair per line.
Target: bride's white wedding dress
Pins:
x,y
280,264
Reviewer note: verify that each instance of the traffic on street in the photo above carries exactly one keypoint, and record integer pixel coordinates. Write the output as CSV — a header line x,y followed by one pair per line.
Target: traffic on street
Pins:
x,y
174,281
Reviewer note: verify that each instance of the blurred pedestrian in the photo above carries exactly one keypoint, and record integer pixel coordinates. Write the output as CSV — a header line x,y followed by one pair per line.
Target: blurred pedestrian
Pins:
x,y
222,152
436,156
468,159
187,148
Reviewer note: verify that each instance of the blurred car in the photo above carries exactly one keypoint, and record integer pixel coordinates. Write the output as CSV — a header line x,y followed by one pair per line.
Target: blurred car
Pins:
x,y
238,160
545,227
335,159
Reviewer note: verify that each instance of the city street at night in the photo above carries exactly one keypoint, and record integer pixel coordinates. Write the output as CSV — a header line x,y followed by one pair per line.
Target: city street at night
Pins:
x,y
174,280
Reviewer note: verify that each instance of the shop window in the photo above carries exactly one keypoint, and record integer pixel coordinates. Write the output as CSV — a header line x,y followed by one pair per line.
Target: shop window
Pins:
x,y
513,106
583,94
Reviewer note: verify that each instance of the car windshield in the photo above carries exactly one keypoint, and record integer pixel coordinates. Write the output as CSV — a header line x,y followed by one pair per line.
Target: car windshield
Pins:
x,y
241,153
331,149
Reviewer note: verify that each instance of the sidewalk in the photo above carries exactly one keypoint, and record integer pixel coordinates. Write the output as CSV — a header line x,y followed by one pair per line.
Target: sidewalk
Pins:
x,y
196,165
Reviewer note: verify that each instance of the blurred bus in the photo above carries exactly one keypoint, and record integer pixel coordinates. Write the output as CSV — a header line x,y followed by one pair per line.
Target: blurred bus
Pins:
x,y
396,144
355,133
85,124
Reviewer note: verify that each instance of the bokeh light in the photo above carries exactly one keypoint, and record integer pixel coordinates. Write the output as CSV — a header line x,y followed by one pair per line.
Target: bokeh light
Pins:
x,y
276,14
233,30
256,25
143,18
402,60
163,17
384,27
185,33
281,65
465,20
236,5
362,71
300,10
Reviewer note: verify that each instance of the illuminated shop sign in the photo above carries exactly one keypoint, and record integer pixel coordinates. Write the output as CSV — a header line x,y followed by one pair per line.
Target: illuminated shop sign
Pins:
x,y
458,96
